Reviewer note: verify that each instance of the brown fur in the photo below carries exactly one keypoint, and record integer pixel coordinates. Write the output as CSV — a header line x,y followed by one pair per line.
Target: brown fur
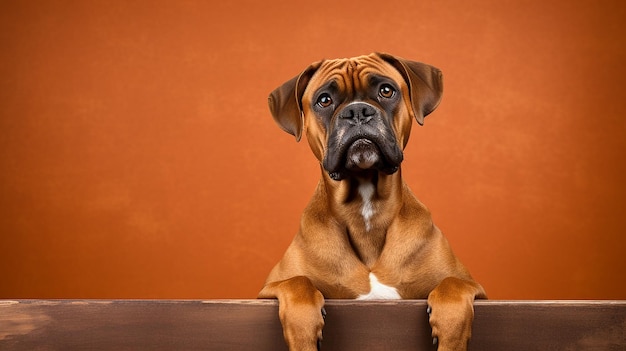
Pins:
x,y
334,253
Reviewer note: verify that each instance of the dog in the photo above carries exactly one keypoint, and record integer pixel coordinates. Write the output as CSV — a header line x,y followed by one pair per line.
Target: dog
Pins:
x,y
364,235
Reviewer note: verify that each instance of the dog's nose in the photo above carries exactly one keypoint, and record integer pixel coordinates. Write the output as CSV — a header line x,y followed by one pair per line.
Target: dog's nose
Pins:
x,y
358,113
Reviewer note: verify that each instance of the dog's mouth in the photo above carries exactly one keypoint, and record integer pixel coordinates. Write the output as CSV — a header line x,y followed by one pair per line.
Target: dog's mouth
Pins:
x,y
362,154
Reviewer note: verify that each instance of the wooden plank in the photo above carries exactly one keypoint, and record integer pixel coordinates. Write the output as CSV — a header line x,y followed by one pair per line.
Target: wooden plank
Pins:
x,y
549,325
253,325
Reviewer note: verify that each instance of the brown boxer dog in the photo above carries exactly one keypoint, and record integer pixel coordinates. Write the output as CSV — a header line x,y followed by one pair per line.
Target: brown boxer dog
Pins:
x,y
364,235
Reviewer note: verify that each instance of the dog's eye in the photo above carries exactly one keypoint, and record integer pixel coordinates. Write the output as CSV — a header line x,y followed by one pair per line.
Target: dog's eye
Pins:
x,y
386,91
324,100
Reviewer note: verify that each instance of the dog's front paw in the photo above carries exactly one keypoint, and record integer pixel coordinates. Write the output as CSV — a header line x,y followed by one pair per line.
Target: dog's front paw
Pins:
x,y
451,326
450,318
302,326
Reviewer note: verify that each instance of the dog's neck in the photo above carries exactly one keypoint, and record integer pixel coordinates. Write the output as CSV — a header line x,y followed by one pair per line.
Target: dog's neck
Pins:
x,y
365,205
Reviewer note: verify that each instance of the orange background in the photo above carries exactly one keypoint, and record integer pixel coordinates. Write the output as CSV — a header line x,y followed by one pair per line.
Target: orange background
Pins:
x,y
138,158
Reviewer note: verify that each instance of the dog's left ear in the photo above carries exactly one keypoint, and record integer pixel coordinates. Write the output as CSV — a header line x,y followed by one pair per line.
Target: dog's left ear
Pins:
x,y
286,102
425,84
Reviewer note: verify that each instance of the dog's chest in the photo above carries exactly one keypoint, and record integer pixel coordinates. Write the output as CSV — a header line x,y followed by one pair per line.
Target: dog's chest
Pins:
x,y
365,234
366,191
379,291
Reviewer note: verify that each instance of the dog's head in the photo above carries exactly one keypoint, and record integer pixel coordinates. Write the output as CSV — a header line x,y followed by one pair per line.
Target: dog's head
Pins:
x,y
357,112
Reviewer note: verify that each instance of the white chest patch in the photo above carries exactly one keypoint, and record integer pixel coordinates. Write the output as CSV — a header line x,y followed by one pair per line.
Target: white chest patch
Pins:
x,y
366,190
379,291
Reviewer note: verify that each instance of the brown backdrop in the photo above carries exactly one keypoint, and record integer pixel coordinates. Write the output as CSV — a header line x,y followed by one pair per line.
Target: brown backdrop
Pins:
x,y
138,158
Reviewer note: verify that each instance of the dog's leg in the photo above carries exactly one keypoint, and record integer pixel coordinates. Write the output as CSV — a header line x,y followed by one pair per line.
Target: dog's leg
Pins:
x,y
301,311
451,311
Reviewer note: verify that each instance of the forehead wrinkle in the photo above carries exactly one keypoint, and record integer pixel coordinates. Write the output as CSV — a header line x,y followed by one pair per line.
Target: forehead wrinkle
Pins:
x,y
363,67
353,73
332,70
376,66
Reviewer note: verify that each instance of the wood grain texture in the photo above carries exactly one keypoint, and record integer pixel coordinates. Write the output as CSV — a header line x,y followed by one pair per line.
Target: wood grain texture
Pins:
x,y
254,325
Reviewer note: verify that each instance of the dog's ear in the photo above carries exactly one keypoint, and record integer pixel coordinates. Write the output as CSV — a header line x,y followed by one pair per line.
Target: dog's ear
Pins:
x,y
286,102
425,84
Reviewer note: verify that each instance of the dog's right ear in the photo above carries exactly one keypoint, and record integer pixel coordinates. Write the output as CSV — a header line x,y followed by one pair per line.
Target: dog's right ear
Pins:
x,y
286,102
425,84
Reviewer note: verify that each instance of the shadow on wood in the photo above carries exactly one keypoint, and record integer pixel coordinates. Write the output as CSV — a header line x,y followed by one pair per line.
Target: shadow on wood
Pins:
x,y
254,325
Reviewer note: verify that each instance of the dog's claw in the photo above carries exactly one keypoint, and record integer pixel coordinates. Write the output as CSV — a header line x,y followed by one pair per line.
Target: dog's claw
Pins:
x,y
429,310
319,341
